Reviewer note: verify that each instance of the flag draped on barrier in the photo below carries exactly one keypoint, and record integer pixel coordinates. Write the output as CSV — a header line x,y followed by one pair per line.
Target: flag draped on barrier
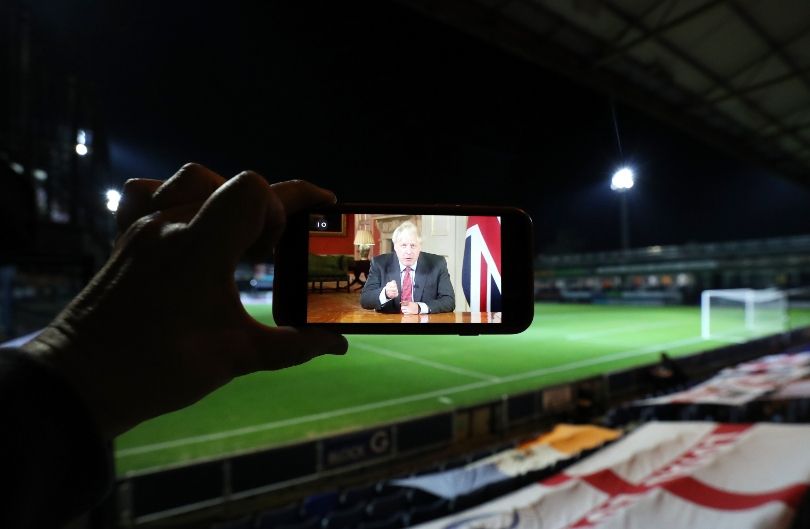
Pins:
x,y
743,383
563,442
685,474
481,268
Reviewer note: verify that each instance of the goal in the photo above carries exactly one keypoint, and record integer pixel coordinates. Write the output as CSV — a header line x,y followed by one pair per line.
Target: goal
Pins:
x,y
742,312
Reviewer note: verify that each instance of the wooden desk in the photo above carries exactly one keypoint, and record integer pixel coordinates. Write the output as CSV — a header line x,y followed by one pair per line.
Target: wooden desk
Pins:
x,y
370,316
345,308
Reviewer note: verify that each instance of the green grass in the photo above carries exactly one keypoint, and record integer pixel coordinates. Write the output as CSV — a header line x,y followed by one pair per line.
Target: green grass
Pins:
x,y
385,378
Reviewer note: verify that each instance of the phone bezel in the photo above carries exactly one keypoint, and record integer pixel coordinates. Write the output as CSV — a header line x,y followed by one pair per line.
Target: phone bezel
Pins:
x,y
290,285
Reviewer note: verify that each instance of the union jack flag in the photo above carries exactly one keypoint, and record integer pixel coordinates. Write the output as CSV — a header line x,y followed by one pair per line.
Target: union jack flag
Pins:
x,y
481,269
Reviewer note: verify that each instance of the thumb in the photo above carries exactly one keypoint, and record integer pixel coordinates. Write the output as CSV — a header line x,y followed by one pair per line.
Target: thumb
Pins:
x,y
276,348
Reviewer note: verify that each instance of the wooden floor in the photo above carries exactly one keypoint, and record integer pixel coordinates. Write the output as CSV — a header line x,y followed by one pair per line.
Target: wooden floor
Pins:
x,y
336,307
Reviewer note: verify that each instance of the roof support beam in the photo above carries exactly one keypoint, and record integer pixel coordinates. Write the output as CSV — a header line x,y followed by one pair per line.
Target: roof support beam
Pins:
x,y
773,81
772,44
706,72
757,61
648,34
521,39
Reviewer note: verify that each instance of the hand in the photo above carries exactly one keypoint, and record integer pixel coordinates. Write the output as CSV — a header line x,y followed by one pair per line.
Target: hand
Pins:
x,y
410,307
161,325
391,290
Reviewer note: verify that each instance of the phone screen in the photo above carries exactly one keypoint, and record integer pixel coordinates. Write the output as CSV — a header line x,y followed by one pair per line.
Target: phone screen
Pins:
x,y
404,267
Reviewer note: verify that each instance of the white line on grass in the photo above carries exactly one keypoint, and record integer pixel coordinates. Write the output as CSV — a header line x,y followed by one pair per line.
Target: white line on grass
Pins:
x,y
584,336
155,447
425,362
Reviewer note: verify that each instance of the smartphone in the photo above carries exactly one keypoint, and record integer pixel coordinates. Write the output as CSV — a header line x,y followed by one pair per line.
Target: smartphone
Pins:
x,y
406,269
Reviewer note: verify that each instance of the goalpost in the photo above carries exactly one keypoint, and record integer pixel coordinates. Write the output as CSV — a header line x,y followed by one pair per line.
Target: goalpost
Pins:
x,y
742,310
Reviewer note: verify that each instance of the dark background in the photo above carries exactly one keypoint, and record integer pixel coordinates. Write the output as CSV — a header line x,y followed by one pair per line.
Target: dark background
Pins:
x,y
378,103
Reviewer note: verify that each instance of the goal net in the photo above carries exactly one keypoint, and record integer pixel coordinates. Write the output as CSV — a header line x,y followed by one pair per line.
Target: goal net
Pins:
x,y
742,312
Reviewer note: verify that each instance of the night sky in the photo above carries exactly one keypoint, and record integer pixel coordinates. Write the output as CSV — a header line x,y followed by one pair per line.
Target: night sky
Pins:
x,y
380,104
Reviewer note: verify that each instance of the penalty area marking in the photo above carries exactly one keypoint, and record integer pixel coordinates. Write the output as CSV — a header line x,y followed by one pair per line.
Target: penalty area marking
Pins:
x,y
444,392
425,362
587,336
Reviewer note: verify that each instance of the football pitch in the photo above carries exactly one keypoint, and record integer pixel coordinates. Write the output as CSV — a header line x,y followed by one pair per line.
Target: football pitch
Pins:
x,y
386,378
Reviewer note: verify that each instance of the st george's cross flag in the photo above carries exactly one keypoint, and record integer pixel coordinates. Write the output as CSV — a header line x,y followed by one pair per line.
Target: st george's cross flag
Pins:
x,y
665,475
481,269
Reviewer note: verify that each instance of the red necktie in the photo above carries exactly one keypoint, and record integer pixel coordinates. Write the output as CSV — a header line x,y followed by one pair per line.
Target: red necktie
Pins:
x,y
407,286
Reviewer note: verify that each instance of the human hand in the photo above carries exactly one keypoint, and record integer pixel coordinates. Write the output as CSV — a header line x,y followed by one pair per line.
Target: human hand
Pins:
x,y
161,325
391,290
410,307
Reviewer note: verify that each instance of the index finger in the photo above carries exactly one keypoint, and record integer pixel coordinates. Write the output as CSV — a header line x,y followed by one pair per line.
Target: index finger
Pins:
x,y
247,213
294,195
300,194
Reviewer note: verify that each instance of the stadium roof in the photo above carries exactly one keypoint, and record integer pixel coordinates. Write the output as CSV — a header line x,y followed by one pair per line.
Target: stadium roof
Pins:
x,y
735,73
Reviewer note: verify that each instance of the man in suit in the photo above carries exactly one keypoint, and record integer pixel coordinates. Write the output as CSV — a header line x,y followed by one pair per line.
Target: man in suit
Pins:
x,y
409,280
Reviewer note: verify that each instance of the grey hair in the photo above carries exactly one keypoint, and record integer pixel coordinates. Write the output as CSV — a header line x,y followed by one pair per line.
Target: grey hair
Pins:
x,y
404,227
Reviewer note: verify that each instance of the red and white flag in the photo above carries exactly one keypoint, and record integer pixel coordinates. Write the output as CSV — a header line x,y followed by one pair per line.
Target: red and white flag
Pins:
x,y
666,475
743,383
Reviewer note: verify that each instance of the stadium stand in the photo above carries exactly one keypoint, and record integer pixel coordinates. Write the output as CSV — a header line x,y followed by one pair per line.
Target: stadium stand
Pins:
x,y
245,522
393,521
312,522
320,504
361,493
345,518
616,400
289,514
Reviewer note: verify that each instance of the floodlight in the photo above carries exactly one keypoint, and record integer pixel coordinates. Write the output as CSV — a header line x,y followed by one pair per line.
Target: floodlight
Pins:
x,y
113,199
81,149
622,180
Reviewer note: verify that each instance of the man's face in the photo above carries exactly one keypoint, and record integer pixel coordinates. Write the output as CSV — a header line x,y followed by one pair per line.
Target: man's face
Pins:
x,y
407,248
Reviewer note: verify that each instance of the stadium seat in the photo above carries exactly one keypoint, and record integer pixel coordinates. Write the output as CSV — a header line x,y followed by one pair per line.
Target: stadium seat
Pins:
x,y
345,518
384,506
474,498
319,504
353,495
420,497
283,515
394,521
246,522
428,511
438,467
311,522
475,456
501,488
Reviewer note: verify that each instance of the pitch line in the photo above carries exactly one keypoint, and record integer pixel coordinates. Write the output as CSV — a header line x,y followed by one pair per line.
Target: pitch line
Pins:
x,y
425,362
584,336
156,447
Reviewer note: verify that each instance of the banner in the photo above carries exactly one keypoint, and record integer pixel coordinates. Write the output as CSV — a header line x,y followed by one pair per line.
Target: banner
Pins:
x,y
481,267
563,442
685,474
743,383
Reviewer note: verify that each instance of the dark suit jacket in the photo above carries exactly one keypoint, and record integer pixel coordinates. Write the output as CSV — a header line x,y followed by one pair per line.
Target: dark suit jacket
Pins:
x,y
431,284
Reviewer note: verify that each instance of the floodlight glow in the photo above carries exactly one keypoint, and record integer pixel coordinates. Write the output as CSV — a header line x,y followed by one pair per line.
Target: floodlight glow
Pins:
x,y
81,149
113,199
40,175
622,180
